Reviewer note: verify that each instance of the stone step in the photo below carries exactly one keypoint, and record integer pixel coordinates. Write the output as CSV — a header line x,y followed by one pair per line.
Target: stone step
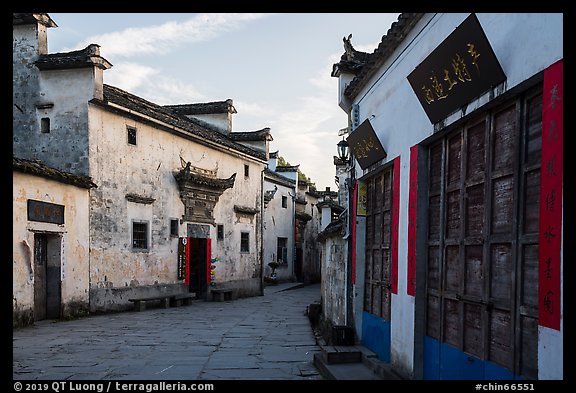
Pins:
x,y
341,354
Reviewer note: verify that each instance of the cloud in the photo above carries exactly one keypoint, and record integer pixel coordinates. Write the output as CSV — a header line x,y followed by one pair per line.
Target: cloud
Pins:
x,y
162,38
150,84
129,76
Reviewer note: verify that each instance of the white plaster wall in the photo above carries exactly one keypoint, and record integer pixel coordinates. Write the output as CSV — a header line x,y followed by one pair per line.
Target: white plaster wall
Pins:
x,y
334,280
358,287
74,238
66,146
525,44
279,222
325,217
219,120
147,170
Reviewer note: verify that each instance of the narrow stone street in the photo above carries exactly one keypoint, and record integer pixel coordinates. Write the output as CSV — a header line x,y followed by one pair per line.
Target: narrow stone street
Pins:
x,y
260,338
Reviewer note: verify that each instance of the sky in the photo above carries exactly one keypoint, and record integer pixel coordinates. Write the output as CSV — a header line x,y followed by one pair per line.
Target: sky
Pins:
x,y
275,67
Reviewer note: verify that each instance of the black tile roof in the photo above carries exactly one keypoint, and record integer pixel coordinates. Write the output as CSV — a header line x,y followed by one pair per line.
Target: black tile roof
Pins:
x,y
226,106
201,129
332,229
279,179
38,168
287,168
28,18
259,135
371,63
87,57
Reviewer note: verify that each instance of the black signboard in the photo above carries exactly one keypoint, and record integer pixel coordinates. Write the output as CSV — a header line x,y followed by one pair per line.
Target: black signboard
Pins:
x,y
460,69
45,212
365,145
182,242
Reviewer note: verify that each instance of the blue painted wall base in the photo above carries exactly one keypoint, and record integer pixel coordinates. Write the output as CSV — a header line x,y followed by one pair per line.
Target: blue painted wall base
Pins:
x,y
376,335
443,361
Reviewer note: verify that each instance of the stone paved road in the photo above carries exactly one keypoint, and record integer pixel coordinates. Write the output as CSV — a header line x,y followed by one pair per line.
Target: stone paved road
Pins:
x,y
265,337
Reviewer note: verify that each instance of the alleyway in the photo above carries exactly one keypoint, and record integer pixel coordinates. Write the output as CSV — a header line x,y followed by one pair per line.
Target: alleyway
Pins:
x,y
264,337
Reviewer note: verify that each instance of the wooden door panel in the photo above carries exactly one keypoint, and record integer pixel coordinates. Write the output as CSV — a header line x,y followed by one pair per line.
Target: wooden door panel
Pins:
x,y
482,253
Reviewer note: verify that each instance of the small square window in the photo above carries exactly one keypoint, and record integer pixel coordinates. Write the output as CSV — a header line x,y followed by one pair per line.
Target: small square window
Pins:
x,y
140,235
220,234
284,202
246,170
131,135
174,227
45,125
244,242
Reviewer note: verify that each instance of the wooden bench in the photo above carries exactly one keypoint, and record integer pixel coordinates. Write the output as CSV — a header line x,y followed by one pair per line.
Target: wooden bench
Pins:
x,y
222,294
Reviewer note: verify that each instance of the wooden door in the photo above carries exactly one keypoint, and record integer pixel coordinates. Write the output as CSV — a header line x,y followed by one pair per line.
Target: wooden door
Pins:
x,y
377,284
482,260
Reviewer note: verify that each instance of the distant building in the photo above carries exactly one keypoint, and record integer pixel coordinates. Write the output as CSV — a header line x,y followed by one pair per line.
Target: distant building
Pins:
x,y
290,228
162,173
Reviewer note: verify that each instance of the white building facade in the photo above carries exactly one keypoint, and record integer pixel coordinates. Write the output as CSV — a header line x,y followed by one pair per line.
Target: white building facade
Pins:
x,y
163,174
457,139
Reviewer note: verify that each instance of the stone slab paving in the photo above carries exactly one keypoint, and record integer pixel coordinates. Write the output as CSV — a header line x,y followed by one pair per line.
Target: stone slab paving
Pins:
x,y
259,338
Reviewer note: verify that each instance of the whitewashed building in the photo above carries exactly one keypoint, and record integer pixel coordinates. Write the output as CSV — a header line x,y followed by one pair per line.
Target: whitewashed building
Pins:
x,y
291,224
50,271
457,139
162,174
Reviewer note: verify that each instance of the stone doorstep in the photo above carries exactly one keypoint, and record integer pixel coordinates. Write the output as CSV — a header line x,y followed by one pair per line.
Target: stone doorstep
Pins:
x,y
378,367
341,354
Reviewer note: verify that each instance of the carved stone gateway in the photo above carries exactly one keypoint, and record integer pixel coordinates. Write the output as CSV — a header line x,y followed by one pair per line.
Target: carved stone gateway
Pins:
x,y
200,190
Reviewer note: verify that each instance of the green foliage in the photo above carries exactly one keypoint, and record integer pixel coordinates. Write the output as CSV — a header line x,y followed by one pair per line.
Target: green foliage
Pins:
x,y
301,175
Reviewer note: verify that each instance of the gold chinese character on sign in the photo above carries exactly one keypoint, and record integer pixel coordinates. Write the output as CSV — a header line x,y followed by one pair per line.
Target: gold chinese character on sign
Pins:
x,y
450,81
428,96
460,69
438,87
475,55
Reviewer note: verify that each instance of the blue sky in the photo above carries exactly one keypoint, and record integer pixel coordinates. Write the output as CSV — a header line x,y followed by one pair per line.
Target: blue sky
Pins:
x,y
276,68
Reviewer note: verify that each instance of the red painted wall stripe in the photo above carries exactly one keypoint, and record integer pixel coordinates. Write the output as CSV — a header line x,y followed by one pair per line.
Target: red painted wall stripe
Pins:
x,y
353,218
208,259
412,201
187,277
551,172
395,222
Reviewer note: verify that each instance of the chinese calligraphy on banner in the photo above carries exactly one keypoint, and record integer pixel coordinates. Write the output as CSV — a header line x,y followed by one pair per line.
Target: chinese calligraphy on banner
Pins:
x,y
551,171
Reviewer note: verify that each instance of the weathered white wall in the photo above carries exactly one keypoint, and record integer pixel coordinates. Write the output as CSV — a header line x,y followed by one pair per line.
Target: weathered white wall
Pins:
x,y
325,217
334,280
219,120
358,287
310,246
279,222
147,170
74,235
524,44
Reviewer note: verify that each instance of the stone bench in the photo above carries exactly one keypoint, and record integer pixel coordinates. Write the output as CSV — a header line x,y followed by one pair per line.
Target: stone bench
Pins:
x,y
182,298
222,294
165,300
140,302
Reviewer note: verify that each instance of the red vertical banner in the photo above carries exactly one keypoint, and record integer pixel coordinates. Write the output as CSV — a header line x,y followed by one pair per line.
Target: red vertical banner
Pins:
x,y
412,202
395,223
551,189
208,260
353,218
187,261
